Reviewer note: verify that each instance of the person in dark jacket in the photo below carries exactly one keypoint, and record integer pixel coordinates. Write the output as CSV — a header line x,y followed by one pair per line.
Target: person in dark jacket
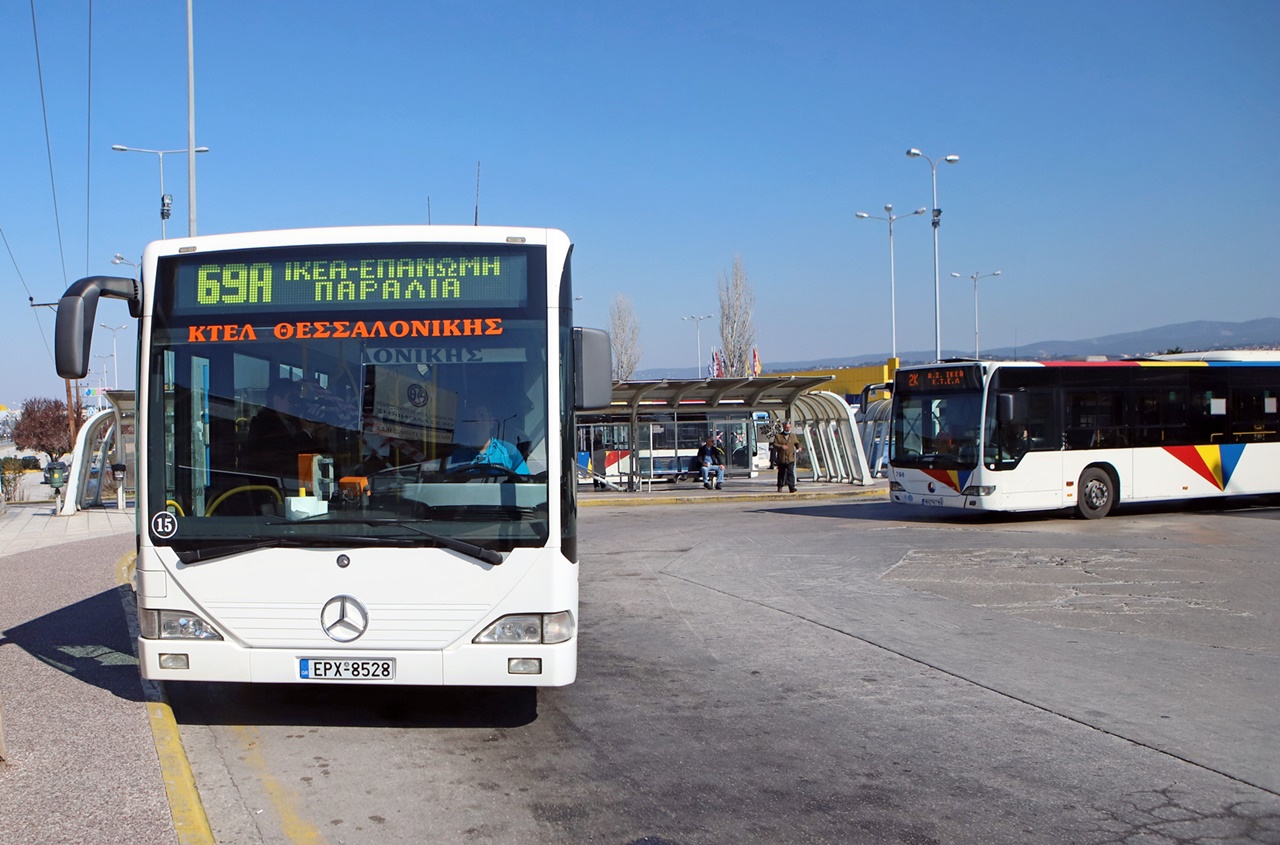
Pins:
x,y
711,459
786,446
276,435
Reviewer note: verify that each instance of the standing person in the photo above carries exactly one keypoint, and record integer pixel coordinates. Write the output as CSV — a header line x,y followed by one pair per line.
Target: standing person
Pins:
x,y
711,457
786,446
599,460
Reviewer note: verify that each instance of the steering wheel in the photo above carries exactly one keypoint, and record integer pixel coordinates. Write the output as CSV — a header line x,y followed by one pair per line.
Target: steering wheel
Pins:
x,y
483,472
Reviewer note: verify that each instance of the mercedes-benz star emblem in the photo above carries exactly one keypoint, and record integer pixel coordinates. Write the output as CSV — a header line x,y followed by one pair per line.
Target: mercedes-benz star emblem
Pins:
x,y
344,619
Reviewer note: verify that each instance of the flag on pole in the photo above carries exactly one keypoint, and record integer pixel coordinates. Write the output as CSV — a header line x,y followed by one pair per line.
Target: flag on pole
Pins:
x,y
719,364
755,360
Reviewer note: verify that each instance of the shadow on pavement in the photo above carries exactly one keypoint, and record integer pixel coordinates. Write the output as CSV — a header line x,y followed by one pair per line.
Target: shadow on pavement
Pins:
x,y
352,706
88,640
1244,506
893,512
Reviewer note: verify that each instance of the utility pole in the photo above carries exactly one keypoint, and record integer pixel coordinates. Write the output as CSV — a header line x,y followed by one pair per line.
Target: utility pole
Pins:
x,y
72,417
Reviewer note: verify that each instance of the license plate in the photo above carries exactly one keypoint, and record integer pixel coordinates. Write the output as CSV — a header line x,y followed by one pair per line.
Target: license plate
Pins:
x,y
931,500
326,669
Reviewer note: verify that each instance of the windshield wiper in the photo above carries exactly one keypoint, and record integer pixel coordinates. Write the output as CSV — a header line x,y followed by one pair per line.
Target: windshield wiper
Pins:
x,y
462,546
217,551
211,552
470,549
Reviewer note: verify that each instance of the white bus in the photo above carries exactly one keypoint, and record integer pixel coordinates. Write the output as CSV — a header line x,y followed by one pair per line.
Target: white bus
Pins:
x,y
1003,436
355,453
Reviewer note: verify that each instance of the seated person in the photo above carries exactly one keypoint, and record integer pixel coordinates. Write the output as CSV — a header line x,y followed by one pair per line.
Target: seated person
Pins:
x,y
276,435
478,432
711,458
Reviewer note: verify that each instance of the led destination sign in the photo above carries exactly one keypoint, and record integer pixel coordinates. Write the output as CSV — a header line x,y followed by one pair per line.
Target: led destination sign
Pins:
x,y
328,278
942,377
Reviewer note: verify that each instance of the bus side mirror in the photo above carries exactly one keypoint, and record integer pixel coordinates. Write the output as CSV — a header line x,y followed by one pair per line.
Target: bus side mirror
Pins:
x,y
73,331
1004,407
592,369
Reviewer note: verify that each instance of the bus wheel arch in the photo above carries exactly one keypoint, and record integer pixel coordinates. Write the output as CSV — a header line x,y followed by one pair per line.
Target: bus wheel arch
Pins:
x,y
1097,491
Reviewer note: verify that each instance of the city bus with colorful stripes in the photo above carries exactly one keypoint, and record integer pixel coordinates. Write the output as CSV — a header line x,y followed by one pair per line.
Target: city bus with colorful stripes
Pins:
x,y
1088,435
356,453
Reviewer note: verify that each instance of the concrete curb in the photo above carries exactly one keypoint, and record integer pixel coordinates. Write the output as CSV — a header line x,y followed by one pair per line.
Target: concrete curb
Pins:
x,y
641,499
190,822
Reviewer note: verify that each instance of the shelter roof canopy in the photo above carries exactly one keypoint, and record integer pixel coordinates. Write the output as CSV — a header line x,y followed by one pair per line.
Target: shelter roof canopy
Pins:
x,y
761,393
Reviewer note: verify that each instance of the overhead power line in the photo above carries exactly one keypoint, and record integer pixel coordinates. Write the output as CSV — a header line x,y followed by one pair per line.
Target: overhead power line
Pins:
x,y
31,299
48,143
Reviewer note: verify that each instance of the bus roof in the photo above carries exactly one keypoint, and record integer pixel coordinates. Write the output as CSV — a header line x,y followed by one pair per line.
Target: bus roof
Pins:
x,y
1215,356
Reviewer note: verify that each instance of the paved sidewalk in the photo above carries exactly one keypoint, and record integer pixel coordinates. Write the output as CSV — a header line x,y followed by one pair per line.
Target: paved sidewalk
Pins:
x,y
81,762
25,526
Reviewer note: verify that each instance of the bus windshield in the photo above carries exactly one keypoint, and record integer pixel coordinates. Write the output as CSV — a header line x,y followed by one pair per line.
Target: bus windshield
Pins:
x,y
337,395
937,419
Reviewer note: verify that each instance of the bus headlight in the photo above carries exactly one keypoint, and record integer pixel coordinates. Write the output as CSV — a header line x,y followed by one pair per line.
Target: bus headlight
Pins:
x,y
174,625
557,627
977,490
895,486
523,628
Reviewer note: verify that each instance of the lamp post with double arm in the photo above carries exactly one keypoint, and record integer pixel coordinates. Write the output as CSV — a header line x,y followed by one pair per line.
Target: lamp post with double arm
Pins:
x,y
975,278
115,362
893,296
697,322
937,220
166,201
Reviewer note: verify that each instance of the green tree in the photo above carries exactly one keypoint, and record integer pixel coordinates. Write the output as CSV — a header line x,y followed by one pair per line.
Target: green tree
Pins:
x,y
11,473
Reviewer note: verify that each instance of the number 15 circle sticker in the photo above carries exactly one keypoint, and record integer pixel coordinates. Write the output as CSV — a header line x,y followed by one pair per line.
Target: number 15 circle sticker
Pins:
x,y
164,525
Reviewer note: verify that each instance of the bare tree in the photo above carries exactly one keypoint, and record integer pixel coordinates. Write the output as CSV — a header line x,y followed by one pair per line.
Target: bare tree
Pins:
x,y
737,333
624,335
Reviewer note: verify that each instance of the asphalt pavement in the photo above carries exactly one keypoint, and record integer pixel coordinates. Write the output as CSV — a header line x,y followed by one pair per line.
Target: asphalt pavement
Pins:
x,y
90,751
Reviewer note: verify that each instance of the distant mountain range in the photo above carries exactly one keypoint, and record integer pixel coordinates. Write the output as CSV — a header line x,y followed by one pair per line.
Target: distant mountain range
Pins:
x,y
1196,336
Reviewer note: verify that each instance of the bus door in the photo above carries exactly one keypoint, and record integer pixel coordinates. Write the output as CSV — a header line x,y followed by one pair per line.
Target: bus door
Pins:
x,y
606,451
1023,444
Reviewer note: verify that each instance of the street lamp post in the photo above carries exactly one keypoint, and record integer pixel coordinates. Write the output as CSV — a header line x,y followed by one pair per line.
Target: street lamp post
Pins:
x,y
975,278
115,362
102,378
937,219
697,322
166,201
893,297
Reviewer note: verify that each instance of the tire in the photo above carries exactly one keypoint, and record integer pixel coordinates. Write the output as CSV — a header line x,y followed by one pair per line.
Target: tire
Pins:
x,y
1096,493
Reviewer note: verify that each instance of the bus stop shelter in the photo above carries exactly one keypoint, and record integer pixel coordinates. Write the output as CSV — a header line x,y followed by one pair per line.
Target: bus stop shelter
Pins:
x,y
824,421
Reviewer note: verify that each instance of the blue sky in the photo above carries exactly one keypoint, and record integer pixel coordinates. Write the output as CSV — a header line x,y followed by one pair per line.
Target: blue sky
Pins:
x,y
1117,159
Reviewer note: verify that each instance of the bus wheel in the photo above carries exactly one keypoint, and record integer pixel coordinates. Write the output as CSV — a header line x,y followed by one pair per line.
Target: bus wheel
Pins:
x,y
1096,493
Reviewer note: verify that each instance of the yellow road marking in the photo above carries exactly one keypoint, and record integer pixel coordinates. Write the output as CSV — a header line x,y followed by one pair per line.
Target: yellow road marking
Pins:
x,y
189,820
283,800
124,568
